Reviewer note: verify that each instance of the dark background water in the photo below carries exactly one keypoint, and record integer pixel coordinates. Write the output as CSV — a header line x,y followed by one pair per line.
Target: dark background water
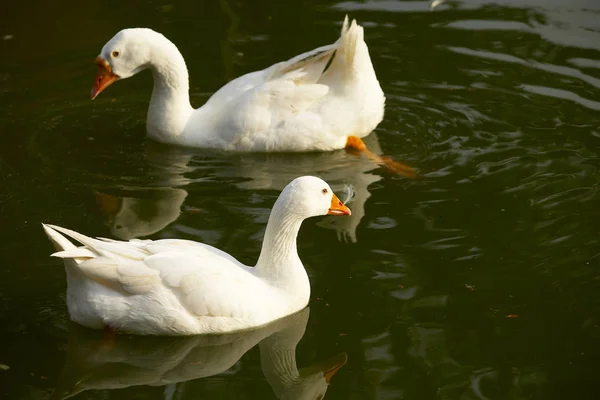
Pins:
x,y
478,280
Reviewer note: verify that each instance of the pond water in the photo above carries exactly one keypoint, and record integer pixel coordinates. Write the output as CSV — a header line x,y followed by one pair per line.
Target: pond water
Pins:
x,y
479,279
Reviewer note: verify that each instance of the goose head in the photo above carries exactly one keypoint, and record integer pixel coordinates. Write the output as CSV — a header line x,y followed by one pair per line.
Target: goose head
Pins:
x,y
309,196
127,53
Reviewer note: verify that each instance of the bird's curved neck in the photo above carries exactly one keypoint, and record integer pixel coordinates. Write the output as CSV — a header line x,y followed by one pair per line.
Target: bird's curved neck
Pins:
x,y
279,262
170,106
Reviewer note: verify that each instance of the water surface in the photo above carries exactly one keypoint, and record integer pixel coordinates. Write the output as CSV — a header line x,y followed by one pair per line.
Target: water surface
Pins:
x,y
478,280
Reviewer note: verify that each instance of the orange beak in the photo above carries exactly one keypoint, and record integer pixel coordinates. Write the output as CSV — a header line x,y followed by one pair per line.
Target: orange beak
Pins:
x,y
104,78
337,207
335,363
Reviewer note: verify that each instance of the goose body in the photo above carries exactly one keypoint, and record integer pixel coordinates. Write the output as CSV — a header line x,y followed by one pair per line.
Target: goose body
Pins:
x,y
315,101
181,287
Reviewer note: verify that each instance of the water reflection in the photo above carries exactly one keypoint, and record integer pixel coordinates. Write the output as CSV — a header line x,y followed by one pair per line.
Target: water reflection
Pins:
x,y
143,213
92,363
132,211
431,350
496,101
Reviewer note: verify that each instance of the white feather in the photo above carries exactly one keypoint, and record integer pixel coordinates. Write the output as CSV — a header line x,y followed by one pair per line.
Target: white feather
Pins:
x,y
174,287
312,101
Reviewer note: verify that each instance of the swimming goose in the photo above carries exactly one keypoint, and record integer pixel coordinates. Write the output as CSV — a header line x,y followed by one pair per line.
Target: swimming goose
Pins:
x,y
181,287
322,100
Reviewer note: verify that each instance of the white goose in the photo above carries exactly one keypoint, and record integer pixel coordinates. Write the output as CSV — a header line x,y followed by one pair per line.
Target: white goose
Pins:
x,y
322,100
181,287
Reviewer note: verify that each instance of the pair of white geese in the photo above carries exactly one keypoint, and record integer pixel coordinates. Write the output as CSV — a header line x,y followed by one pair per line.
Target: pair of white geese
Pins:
x,y
322,100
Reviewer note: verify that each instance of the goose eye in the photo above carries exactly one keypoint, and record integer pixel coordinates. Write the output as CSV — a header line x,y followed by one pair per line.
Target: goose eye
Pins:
x,y
116,53
324,191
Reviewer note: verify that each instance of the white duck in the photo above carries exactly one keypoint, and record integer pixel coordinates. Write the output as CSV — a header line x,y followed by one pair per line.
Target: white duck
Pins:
x,y
181,287
321,100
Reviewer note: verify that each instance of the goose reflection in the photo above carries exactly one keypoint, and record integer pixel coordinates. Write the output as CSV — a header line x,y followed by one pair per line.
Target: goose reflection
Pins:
x,y
132,212
143,213
92,364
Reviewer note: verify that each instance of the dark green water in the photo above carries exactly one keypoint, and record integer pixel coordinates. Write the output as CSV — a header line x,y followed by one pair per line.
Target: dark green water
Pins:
x,y
479,280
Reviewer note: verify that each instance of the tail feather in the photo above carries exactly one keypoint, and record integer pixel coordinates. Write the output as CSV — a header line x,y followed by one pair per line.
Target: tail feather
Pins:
x,y
88,242
344,25
340,56
59,241
349,58
135,250
79,253
352,36
100,261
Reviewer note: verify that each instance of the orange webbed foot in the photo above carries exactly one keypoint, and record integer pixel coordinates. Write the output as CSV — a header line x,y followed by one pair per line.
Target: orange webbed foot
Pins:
x,y
356,145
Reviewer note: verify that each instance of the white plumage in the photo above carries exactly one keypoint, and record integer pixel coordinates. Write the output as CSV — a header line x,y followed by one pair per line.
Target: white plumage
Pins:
x,y
312,102
179,287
